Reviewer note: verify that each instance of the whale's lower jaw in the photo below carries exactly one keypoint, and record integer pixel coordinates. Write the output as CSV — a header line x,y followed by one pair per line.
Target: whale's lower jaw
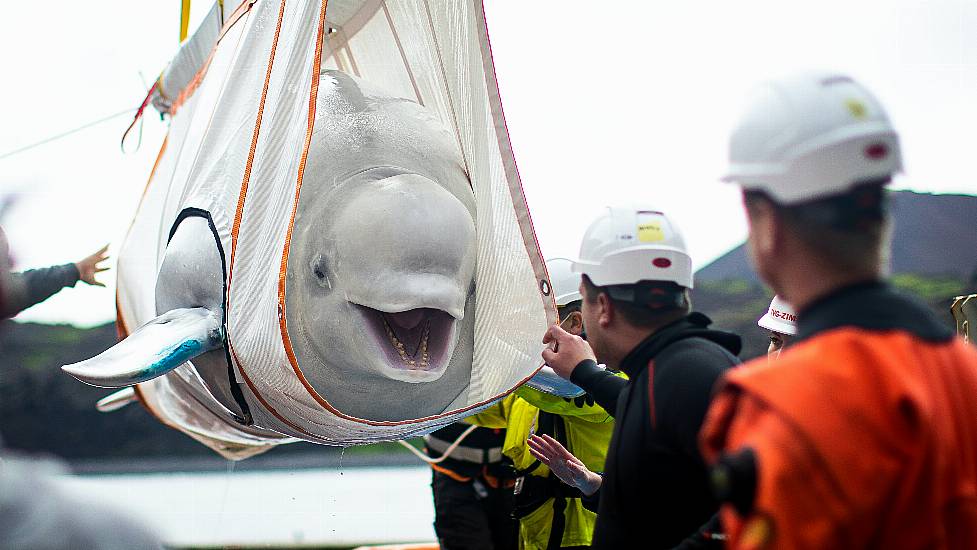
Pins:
x,y
412,376
420,353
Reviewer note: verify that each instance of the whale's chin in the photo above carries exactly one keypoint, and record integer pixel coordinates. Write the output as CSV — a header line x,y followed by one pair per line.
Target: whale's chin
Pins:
x,y
415,345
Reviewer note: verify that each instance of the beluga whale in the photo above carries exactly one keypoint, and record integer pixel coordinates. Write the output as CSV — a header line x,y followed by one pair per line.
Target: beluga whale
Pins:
x,y
380,279
333,245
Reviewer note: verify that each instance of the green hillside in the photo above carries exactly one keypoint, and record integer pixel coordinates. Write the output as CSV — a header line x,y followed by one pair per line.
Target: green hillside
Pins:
x,y
736,304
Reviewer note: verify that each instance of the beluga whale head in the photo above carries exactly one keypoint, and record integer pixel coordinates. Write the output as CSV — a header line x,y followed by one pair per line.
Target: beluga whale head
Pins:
x,y
380,282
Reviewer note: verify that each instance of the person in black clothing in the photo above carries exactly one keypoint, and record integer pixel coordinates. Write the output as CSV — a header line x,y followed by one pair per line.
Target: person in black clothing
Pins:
x,y
655,491
472,490
21,290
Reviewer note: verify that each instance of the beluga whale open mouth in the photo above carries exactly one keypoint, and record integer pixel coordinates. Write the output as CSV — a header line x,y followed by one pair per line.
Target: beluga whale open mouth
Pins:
x,y
416,343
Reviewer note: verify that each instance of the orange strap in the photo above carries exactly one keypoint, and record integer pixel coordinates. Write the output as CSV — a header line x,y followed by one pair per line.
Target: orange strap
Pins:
x,y
492,481
453,475
496,482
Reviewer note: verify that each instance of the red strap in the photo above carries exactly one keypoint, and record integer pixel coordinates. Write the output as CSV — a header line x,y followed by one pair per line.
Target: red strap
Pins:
x,y
139,111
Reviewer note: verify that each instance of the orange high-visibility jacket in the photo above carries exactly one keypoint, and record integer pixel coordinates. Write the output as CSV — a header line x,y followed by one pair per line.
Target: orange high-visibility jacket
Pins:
x,y
862,435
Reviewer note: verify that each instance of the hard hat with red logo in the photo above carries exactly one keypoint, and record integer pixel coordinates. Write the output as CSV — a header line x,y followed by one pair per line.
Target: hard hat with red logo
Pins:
x,y
780,317
565,283
811,136
627,245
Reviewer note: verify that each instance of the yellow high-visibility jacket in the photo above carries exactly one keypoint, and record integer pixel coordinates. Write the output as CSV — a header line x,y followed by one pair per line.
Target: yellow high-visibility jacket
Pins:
x,y
588,434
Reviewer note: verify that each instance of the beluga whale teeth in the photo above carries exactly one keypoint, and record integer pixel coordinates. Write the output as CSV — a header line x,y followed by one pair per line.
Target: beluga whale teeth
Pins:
x,y
412,356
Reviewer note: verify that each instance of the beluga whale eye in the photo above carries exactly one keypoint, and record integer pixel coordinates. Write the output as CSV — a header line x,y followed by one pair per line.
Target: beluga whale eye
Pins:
x,y
320,271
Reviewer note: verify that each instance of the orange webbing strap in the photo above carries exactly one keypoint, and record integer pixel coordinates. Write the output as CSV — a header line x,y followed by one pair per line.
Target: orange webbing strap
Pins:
x,y
261,399
496,482
282,321
195,82
492,481
246,180
453,475
239,213
121,331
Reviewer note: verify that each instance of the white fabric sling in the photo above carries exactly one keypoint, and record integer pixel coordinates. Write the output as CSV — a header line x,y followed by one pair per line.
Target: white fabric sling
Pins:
x,y
239,136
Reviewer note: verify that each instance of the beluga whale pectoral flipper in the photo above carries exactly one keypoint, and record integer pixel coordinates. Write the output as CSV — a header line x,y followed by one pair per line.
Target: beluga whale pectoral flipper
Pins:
x,y
155,349
190,315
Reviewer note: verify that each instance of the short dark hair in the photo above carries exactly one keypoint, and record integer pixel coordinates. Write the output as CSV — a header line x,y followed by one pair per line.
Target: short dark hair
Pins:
x,y
644,304
848,231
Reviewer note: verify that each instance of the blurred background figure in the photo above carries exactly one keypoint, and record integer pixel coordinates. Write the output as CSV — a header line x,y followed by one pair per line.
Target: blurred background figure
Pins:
x,y
36,513
781,321
27,288
5,277
863,435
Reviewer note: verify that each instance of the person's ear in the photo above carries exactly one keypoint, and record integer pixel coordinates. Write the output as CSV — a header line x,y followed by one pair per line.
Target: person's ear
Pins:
x,y
576,323
764,226
767,241
605,310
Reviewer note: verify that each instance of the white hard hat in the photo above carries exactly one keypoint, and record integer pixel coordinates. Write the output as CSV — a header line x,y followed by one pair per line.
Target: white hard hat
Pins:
x,y
627,245
812,136
780,317
564,282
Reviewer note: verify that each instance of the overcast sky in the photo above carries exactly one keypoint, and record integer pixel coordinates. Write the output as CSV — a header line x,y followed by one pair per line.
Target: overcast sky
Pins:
x,y
613,102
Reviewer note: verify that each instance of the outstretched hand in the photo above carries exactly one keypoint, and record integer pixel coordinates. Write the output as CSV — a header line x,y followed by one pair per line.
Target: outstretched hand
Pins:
x,y
88,267
566,352
563,464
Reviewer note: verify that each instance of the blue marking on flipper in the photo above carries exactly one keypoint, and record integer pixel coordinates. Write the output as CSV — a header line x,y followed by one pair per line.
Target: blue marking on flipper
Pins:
x,y
176,357
157,347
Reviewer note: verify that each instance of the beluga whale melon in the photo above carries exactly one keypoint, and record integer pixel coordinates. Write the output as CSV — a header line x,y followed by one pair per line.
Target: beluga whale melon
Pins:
x,y
333,245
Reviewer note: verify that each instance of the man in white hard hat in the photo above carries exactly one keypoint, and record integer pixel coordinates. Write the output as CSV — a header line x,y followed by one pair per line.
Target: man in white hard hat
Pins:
x,y
781,321
863,434
635,280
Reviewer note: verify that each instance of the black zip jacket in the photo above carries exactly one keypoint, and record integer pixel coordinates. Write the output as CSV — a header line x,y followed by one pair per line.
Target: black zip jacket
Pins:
x,y
656,491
